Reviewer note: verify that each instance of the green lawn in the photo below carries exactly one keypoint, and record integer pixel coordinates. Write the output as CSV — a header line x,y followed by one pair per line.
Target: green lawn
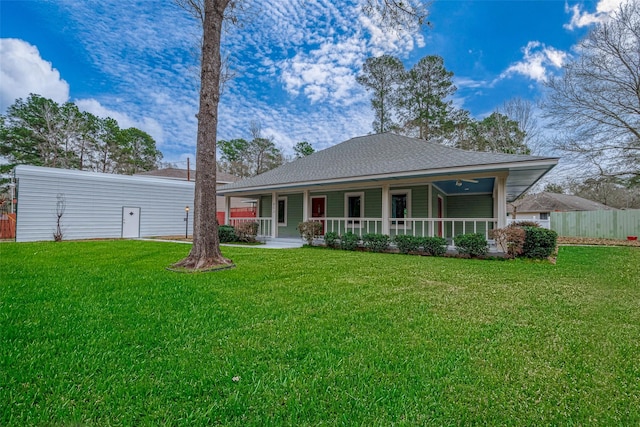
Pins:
x,y
99,333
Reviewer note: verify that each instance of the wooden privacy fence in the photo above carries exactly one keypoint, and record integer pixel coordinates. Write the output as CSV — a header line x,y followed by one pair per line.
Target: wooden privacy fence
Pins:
x,y
602,224
7,226
242,212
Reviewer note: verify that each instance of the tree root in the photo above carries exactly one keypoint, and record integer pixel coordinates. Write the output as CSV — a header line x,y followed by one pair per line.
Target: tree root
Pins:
x,y
197,264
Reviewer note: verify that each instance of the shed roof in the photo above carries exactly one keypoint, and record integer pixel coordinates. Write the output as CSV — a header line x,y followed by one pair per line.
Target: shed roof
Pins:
x,y
175,173
390,156
555,202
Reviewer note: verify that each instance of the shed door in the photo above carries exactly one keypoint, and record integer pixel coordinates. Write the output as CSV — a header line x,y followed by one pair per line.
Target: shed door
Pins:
x,y
130,222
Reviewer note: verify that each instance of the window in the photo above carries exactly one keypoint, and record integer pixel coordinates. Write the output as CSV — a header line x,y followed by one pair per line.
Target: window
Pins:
x,y
400,206
282,211
354,206
544,215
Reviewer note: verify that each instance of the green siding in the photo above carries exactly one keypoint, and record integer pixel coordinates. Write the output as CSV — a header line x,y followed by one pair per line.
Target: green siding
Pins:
x,y
265,206
472,206
294,216
373,203
335,204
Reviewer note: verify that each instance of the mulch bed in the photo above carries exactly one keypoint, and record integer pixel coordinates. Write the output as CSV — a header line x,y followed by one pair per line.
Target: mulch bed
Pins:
x,y
597,242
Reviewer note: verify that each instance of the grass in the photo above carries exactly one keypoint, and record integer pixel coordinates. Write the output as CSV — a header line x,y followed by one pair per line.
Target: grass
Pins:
x,y
99,333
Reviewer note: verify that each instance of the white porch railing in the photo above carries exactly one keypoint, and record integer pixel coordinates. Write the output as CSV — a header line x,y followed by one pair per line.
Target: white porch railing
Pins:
x,y
445,227
264,224
357,226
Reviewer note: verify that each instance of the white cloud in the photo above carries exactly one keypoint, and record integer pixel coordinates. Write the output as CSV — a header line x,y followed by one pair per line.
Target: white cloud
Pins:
x,y
314,48
469,83
537,60
23,71
581,18
295,60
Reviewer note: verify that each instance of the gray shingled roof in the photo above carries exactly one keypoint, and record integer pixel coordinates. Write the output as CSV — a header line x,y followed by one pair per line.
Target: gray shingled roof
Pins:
x,y
380,154
550,202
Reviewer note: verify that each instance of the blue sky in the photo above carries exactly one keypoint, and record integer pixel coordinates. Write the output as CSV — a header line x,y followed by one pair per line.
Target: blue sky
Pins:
x,y
295,61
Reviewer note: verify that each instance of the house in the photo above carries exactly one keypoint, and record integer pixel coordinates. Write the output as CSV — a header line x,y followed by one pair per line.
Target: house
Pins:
x,y
99,205
238,206
390,184
538,207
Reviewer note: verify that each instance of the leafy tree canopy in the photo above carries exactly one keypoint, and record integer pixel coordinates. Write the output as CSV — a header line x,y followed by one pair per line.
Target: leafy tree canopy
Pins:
x,y
38,131
303,149
417,102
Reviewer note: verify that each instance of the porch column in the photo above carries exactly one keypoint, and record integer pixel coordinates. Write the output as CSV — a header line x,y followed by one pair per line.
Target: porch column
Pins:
x,y
227,209
274,214
386,207
305,206
501,198
431,233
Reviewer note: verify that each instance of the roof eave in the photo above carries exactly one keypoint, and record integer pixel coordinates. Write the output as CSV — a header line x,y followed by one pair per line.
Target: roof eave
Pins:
x,y
548,162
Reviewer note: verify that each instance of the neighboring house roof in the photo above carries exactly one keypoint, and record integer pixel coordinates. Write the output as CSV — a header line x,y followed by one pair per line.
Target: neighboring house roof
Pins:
x,y
554,202
174,173
391,156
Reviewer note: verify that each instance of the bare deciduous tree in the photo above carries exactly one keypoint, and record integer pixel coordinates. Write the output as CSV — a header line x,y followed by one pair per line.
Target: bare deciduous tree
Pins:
x,y
61,207
523,112
398,15
596,103
606,191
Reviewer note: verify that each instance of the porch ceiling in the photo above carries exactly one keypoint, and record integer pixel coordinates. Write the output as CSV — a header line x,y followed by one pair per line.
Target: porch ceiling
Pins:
x,y
483,185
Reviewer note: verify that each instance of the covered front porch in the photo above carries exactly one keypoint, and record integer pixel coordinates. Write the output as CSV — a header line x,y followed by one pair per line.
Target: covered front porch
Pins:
x,y
444,206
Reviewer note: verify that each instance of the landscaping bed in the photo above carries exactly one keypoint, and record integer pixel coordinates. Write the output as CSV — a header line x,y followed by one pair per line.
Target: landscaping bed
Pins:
x,y
594,241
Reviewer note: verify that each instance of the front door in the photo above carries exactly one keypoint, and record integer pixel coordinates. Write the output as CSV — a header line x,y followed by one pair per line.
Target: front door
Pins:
x,y
318,205
130,222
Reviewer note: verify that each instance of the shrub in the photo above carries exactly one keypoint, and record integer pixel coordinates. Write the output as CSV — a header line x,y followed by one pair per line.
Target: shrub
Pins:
x,y
331,239
247,231
539,242
473,244
226,234
435,246
376,242
407,243
349,241
309,230
509,240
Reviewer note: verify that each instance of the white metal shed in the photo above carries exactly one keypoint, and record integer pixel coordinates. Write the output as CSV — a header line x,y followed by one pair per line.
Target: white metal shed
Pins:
x,y
99,205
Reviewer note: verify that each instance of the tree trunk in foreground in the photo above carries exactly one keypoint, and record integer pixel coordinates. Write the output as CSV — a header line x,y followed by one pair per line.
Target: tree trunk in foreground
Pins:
x,y
205,253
